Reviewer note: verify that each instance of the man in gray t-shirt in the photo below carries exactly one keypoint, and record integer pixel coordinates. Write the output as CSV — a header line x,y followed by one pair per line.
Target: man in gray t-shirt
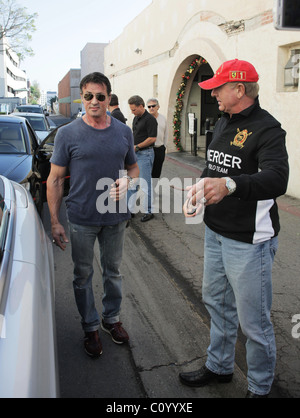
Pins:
x,y
99,152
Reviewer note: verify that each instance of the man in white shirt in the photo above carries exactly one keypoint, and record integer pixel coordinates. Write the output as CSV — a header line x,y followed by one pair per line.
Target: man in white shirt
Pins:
x,y
160,145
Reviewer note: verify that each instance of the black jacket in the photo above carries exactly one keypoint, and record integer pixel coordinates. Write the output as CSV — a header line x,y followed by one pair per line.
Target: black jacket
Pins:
x,y
249,148
117,114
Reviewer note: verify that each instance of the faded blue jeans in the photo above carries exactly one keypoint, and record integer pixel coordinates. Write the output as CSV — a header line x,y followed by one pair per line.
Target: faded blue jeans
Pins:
x,y
237,288
145,160
111,242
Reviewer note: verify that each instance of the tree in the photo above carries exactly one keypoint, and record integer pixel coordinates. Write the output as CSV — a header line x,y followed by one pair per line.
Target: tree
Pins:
x,y
52,101
16,25
35,93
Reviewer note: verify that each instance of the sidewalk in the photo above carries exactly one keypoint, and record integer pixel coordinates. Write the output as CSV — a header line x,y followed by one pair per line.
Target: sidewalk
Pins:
x,y
179,248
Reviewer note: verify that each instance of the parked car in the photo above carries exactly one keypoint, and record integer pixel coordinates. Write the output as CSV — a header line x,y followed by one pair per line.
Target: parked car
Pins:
x,y
39,123
28,356
22,159
29,109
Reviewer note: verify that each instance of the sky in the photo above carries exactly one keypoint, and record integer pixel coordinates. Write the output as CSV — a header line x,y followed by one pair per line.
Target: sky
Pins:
x,y
64,27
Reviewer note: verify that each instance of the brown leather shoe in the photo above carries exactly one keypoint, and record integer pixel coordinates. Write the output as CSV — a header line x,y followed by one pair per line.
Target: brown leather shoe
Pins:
x,y
117,332
92,344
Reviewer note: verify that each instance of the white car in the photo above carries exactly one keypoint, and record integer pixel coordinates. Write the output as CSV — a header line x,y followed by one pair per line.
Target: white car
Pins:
x,y
38,122
28,357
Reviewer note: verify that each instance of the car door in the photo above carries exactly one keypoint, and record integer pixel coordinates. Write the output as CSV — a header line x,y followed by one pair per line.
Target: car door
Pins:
x,y
36,181
42,157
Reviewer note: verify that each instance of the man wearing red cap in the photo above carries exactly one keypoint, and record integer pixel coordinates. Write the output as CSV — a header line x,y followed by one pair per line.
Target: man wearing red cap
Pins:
x,y
247,169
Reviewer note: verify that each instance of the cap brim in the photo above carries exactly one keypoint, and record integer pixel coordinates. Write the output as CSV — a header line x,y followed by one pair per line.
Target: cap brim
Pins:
x,y
212,83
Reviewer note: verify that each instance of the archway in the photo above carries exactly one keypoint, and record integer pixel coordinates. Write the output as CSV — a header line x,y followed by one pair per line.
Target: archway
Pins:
x,y
191,99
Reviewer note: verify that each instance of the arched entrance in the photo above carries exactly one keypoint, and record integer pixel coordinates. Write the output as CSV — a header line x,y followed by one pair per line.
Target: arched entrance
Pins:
x,y
191,99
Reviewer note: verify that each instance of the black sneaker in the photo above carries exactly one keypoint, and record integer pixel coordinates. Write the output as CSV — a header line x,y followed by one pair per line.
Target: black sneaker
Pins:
x,y
254,395
203,377
117,332
147,217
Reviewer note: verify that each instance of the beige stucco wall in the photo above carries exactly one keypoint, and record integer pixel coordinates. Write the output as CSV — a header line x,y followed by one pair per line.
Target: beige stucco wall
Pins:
x,y
171,33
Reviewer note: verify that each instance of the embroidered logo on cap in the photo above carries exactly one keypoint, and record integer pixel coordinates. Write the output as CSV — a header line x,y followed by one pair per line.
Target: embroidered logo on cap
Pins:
x,y
237,75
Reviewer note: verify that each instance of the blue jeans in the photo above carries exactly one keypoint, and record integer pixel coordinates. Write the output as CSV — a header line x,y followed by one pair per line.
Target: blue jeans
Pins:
x,y
145,162
111,241
237,288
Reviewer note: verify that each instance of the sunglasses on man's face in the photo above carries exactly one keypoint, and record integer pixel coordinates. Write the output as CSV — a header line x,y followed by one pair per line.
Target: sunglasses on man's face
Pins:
x,y
150,106
89,96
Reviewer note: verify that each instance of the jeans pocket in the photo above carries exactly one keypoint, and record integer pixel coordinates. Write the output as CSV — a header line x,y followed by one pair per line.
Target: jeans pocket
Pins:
x,y
273,246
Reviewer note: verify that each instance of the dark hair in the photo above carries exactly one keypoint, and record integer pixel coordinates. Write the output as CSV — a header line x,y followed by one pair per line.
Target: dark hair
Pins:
x,y
97,78
114,101
137,101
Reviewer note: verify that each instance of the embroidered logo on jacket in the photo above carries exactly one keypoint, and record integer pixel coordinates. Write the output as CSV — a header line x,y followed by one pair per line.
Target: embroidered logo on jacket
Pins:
x,y
241,138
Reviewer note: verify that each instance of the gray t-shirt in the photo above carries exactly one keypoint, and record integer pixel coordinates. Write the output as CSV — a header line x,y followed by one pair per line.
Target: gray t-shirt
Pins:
x,y
95,159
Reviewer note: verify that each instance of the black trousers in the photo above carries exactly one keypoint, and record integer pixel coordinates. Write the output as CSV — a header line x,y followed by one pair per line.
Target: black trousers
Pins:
x,y
159,158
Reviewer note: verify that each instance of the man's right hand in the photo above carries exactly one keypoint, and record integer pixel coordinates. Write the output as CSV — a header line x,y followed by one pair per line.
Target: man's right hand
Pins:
x,y
59,236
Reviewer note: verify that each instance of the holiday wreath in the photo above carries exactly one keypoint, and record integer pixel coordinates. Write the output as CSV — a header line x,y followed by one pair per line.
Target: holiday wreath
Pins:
x,y
179,100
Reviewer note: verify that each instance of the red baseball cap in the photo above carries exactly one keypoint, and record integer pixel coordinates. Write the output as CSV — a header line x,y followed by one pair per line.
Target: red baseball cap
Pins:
x,y
229,72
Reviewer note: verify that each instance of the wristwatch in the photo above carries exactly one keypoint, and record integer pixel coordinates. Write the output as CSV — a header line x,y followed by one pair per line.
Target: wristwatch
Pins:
x,y
131,180
231,185
137,148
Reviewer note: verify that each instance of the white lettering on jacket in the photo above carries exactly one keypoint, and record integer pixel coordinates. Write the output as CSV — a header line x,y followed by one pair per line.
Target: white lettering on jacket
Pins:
x,y
226,160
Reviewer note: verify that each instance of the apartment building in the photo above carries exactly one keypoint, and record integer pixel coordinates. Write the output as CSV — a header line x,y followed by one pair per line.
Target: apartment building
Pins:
x,y
13,80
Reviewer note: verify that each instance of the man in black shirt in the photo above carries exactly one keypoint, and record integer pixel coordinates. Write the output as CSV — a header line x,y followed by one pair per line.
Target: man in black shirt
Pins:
x,y
247,169
115,110
144,128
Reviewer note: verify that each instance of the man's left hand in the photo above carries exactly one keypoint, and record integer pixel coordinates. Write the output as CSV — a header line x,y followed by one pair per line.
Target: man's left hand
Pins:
x,y
213,190
119,189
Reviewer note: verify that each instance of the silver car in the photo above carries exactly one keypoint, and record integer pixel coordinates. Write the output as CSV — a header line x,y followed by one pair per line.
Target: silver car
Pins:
x,y
28,358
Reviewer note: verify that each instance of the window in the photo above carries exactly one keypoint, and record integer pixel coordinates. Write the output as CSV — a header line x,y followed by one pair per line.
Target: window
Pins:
x,y
288,68
287,15
38,124
11,138
291,70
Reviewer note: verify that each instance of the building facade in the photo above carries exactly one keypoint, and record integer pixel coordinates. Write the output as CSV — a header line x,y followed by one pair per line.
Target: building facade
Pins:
x,y
43,99
92,58
173,45
13,80
68,93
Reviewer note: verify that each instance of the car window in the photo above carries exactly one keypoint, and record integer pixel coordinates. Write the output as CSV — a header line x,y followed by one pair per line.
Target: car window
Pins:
x,y
37,123
29,109
12,139
49,142
51,137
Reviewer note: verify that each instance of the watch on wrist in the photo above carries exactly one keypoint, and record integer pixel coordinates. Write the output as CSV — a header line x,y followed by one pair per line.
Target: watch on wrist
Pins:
x,y
231,185
137,148
131,180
